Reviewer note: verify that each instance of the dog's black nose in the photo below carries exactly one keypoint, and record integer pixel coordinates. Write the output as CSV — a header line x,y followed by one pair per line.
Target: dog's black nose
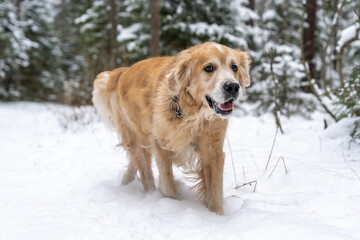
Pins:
x,y
231,87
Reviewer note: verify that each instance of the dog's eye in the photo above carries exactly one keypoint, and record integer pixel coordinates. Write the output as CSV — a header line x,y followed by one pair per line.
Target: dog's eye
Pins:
x,y
209,68
234,68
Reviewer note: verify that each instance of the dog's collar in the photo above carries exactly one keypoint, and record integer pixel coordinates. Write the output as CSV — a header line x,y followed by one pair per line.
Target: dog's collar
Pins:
x,y
175,107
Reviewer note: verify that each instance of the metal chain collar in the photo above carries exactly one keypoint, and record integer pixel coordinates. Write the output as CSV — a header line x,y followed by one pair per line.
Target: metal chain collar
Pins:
x,y
176,107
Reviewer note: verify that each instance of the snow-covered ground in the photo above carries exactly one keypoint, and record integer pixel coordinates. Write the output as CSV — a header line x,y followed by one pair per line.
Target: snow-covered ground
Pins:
x,y
58,183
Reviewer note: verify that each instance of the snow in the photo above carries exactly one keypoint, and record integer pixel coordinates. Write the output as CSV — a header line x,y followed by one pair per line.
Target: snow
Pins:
x,y
62,181
347,34
204,28
269,14
244,13
128,33
199,28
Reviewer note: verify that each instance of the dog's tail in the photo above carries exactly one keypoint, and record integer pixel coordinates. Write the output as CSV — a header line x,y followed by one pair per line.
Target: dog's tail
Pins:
x,y
104,96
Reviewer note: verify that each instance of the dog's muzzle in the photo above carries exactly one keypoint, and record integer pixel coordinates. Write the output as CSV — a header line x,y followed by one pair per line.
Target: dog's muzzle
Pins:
x,y
222,109
231,90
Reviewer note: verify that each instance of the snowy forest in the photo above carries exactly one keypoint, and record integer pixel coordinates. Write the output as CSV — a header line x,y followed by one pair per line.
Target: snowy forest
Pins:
x,y
292,148
52,50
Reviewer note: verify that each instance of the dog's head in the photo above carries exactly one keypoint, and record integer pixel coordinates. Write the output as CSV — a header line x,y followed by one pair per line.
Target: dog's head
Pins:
x,y
212,74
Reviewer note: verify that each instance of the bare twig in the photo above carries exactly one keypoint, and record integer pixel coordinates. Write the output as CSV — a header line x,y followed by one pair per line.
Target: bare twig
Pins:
x,y
276,90
327,44
355,173
347,140
248,183
232,159
252,158
235,196
272,147
358,15
281,157
307,73
342,150
340,55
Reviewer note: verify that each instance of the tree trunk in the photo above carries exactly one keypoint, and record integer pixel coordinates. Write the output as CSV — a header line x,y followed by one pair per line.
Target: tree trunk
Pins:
x,y
63,9
307,72
309,38
155,28
17,68
113,35
285,31
18,10
251,5
334,51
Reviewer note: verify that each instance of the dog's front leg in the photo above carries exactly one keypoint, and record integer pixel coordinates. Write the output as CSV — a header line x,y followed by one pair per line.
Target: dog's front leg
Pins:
x,y
166,179
210,146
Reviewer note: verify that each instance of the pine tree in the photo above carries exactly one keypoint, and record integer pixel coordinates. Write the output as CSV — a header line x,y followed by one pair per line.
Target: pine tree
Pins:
x,y
14,48
40,78
134,31
73,68
95,44
187,23
280,24
330,17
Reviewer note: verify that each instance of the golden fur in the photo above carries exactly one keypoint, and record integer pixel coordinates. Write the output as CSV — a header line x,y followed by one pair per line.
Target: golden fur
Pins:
x,y
136,102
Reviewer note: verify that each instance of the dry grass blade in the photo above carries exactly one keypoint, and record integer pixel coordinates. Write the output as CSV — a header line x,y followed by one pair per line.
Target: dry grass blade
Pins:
x,y
286,171
232,159
280,158
272,148
355,173
248,183
251,157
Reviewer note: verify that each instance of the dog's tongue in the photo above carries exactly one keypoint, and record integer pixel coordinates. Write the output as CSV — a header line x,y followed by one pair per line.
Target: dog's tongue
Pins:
x,y
227,106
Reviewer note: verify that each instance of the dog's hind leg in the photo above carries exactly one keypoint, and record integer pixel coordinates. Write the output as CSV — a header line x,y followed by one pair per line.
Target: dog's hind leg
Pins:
x,y
166,179
140,159
146,174
129,176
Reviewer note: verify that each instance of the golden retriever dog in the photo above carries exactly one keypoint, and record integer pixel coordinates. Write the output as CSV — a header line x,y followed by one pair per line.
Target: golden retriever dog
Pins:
x,y
175,109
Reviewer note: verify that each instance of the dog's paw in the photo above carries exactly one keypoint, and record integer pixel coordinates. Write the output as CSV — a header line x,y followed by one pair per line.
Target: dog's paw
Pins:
x,y
216,209
216,206
168,190
128,177
149,185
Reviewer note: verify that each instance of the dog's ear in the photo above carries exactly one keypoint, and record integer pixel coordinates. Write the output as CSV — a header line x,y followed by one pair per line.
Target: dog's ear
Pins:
x,y
244,60
180,74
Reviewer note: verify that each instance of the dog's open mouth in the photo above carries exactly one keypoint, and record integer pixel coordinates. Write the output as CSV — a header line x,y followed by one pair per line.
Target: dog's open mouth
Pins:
x,y
221,108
